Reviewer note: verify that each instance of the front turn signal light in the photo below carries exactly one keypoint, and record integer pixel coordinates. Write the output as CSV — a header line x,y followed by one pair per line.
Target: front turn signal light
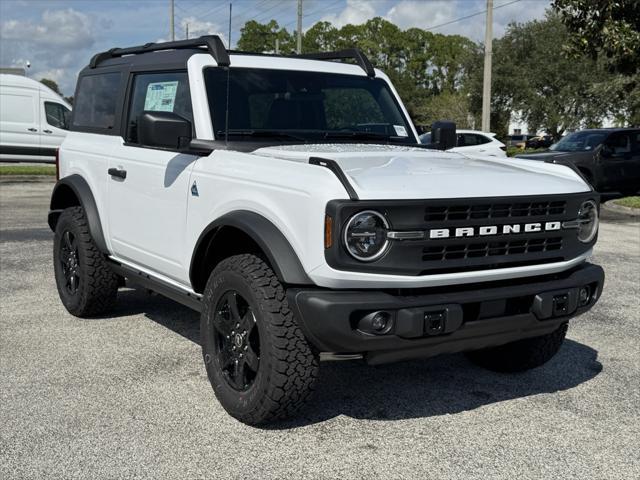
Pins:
x,y
328,231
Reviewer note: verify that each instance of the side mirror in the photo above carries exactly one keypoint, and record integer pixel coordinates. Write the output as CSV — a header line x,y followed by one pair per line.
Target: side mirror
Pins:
x,y
443,134
163,130
606,151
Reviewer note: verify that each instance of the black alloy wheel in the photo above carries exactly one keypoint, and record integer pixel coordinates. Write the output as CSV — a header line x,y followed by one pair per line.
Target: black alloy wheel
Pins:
x,y
237,341
69,261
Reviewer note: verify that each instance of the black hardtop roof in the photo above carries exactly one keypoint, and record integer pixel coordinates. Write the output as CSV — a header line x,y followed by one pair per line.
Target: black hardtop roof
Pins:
x,y
169,55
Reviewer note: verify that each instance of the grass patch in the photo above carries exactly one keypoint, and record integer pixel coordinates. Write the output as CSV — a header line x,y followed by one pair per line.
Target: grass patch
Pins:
x,y
27,170
632,202
511,151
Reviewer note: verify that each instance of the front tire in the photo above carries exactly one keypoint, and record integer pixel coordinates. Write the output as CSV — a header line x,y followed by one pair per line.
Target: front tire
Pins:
x,y
520,355
86,284
258,361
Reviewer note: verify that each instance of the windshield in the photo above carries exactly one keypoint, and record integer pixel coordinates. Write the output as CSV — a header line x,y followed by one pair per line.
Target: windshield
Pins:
x,y
304,106
579,142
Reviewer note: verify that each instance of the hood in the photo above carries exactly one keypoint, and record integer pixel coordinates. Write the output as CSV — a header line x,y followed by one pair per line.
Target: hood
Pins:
x,y
394,172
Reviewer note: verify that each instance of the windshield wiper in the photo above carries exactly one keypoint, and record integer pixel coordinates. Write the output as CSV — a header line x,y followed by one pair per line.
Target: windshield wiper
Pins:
x,y
358,135
261,133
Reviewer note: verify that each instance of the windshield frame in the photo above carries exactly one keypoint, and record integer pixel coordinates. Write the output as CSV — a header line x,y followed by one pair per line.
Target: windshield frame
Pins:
x,y
311,135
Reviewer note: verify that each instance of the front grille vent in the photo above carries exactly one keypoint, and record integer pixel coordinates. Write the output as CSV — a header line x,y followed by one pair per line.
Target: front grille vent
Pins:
x,y
494,210
490,249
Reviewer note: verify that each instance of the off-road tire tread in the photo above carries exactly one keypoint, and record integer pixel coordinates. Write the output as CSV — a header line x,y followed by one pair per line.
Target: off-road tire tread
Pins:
x,y
520,355
295,363
100,282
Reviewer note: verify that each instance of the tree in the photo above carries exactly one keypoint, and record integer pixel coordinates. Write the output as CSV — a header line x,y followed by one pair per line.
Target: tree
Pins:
x,y
604,28
51,84
553,92
608,31
261,37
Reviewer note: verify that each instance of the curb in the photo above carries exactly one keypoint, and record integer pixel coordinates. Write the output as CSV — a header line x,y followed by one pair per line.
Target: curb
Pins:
x,y
27,178
613,207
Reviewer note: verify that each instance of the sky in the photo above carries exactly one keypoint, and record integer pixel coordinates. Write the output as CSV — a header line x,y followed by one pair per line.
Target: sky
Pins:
x,y
58,37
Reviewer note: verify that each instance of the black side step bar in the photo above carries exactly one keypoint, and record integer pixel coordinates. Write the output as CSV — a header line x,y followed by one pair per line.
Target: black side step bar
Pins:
x,y
337,171
213,43
351,53
144,280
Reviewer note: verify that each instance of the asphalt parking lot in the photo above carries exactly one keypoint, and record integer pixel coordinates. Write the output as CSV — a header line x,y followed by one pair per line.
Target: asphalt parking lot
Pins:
x,y
127,396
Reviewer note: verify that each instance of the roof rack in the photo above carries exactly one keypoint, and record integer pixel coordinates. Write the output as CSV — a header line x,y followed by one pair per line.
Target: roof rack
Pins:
x,y
353,53
219,52
213,43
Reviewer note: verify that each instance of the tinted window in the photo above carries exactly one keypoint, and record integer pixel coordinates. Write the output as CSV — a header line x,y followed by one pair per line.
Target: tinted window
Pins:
x,y
620,143
304,105
579,141
57,115
95,103
158,92
469,139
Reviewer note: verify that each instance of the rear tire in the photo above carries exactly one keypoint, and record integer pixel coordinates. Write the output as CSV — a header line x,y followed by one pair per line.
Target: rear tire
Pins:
x,y
258,361
521,355
86,284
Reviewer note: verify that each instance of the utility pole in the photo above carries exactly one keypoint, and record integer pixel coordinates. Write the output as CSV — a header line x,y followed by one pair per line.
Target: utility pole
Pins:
x,y
187,26
299,49
277,46
172,31
486,84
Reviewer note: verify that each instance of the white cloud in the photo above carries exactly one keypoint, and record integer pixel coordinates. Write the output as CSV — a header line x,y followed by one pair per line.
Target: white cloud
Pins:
x,y
63,28
198,28
56,45
356,12
426,15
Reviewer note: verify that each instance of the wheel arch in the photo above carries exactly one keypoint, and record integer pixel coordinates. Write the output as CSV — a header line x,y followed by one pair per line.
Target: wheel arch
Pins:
x,y
239,232
73,191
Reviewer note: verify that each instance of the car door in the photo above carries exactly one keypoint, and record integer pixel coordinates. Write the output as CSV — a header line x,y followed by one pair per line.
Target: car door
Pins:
x,y
20,122
53,124
149,187
619,161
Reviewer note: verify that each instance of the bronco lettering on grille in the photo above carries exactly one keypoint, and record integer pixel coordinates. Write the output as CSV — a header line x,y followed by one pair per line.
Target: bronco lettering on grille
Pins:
x,y
487,230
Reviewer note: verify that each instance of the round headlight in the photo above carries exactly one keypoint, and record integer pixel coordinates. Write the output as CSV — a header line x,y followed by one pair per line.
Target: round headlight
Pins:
x,y
365,235
587,221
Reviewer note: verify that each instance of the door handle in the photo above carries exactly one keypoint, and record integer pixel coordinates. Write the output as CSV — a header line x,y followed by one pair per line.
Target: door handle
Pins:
x,y
116,172
32,129
47,131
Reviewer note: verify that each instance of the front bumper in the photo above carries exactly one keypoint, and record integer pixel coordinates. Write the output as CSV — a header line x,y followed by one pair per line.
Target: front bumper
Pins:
x,y
467,317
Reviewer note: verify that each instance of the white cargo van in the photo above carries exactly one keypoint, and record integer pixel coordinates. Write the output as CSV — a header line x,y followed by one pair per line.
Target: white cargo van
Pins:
x,y
33,120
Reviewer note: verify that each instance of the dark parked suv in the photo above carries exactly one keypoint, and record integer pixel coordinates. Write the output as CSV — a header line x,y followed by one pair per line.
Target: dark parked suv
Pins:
x,y
608,158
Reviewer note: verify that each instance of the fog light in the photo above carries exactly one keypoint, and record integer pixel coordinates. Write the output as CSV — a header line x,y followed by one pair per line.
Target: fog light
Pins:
x,y
584,296
381,321
376,323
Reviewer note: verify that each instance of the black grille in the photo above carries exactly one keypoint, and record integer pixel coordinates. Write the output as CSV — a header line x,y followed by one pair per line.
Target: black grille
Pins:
x,y
490,249
494,210
453,253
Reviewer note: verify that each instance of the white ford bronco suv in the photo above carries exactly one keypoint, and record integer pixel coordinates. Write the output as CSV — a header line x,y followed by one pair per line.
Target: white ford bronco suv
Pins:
x,y
287,199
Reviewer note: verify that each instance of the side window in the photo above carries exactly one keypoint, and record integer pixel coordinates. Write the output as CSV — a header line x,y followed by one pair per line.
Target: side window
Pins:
x,y
481,139
95,105
57,115
469,139
619,143
158,92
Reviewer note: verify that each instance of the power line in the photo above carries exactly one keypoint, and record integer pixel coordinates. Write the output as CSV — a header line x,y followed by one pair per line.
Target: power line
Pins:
x,y
470,16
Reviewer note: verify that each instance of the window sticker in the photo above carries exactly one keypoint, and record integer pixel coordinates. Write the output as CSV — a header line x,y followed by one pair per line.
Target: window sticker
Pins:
x,y
161,96
400,131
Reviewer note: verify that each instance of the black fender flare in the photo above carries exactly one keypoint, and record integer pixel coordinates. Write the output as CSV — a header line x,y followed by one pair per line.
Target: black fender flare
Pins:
x,y
60,200
266,235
